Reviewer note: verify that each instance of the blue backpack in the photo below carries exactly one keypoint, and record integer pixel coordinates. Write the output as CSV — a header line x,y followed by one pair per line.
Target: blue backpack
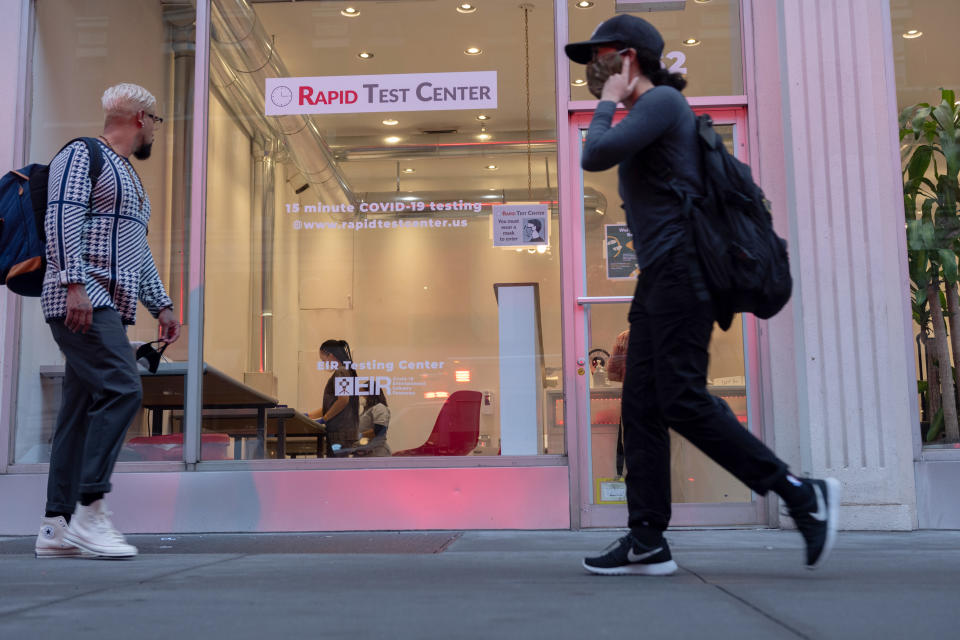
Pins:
x,y
23,206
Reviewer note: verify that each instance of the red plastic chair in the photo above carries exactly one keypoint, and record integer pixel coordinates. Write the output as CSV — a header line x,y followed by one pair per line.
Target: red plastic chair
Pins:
x,y
457,429
213,446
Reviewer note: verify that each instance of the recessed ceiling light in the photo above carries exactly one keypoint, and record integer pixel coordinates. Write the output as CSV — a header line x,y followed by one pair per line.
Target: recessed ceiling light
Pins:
x,y
584,4
366,55
391,139
390,122
473,51
483,116
702,1
579,82
691,42
483,136
409,170
466,7
350,12
913,33
491,167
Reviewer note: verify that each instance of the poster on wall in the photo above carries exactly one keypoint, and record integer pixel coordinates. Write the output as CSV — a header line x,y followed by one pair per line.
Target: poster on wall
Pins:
x,y
620,254
381,93
521,224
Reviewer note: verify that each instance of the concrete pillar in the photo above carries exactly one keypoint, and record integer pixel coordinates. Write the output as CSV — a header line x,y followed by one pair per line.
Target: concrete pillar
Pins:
x,y
840,361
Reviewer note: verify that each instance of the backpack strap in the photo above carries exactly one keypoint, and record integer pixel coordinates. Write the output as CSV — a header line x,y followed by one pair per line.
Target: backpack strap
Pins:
x,y
96,158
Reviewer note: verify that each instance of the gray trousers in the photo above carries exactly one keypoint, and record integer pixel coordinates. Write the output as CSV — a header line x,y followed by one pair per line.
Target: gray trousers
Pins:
x,y
101,396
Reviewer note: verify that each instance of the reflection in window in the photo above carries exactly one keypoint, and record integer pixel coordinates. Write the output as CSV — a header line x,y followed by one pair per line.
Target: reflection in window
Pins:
x,y
701,40
378,229
922,31
80,49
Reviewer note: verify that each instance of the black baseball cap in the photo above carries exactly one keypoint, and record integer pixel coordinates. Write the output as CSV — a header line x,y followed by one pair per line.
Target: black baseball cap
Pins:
x,y
630,30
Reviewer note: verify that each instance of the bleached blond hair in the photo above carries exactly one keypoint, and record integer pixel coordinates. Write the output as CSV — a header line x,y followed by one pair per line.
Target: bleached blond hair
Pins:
x,y
126,99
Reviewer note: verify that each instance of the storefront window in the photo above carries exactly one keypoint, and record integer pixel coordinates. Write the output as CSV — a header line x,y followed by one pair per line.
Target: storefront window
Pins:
x,y
701,40
387,191
80,49
922,33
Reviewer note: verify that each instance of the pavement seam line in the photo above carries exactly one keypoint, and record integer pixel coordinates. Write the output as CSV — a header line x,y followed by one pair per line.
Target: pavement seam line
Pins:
x,y
750,605
15,612
446,545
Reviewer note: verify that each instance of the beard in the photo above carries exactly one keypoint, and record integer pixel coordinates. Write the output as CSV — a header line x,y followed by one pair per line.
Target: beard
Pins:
x,y
143,151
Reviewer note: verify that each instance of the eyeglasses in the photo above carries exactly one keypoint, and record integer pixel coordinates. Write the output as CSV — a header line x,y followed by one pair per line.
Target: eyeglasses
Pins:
x,y
157,120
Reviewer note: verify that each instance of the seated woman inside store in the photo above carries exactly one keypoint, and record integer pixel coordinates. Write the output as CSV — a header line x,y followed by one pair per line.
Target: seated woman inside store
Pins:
x,y
373,426
339,412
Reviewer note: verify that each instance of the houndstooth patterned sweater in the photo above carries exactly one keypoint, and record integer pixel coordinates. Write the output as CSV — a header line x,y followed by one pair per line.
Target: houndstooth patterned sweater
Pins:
x,y
103,246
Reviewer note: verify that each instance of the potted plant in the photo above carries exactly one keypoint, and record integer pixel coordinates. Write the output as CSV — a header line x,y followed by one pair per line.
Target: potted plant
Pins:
x,y
930,140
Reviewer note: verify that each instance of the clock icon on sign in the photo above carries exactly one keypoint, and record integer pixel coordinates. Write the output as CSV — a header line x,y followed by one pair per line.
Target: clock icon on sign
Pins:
x,y
281,96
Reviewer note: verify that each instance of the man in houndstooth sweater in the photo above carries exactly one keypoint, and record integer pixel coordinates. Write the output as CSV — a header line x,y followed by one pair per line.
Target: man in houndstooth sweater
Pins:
x,y
98,266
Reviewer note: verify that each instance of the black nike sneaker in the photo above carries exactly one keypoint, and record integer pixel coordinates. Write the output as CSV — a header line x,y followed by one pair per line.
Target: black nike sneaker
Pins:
x,y
629,557
817,520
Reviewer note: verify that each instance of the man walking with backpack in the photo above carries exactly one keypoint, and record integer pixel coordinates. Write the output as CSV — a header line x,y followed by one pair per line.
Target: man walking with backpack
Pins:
x,y
98,266
672,314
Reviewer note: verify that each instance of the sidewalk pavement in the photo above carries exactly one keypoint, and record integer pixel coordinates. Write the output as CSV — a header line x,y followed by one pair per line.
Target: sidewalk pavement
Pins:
x,y
484,584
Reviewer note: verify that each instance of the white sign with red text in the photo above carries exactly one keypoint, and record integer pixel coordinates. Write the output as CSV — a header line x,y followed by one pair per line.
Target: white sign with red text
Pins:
x,y
521,224
372,94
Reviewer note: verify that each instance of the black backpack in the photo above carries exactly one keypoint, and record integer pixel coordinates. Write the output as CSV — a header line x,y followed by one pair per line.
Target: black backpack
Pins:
x,y
744,262
23,206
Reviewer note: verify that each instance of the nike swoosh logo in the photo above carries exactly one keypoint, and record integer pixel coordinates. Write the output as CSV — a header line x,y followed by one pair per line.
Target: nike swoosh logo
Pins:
x,y
633,557
821,512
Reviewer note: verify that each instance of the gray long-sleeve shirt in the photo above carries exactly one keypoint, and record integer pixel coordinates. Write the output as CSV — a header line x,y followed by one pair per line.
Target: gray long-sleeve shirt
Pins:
x,y
658,137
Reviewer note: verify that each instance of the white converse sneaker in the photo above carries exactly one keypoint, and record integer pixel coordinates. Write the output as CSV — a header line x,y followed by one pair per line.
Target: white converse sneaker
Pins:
x,y
51,541
91,530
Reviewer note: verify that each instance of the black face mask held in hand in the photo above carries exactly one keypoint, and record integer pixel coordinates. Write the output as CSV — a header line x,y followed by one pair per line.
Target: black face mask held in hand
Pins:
x,y
151,355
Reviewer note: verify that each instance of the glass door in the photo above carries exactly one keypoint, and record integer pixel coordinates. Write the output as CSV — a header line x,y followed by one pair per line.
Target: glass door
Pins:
x,y
605,277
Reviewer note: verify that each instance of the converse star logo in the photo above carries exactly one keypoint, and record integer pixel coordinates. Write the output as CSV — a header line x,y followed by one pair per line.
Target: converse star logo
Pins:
x,y
637,557
47,531
821,512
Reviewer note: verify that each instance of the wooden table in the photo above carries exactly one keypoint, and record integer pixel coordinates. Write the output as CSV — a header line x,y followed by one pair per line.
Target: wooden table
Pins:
x,y
244,423
164,391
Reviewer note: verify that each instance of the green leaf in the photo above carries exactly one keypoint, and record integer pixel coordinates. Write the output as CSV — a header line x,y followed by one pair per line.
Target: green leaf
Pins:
x,y
921,114
948,96
920,162
921,234
948,260
943,114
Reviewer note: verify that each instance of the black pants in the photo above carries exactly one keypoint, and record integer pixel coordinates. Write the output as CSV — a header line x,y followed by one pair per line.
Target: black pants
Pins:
x,y
665,385
101,395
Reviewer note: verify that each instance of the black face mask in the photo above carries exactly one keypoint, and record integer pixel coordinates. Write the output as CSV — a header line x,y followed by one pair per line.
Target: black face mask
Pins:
x,y
151,355
600,69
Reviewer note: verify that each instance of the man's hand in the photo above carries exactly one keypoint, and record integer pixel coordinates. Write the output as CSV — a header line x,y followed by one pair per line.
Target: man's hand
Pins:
x,y
169,326
79,310
619,85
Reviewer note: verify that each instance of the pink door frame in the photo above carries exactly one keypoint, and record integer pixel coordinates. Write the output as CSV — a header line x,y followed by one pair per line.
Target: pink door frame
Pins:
x,y
723,110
